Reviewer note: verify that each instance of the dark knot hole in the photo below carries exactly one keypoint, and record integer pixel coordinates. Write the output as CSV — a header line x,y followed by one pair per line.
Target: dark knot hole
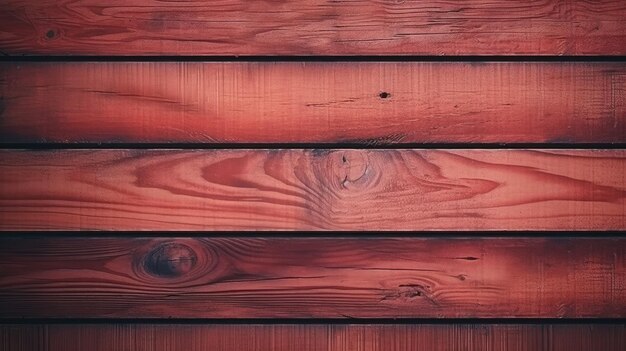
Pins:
x,y
171,260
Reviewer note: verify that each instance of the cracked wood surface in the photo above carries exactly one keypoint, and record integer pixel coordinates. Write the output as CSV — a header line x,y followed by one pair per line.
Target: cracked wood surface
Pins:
x,y
312,27
373,277
333,337
363,103
312,190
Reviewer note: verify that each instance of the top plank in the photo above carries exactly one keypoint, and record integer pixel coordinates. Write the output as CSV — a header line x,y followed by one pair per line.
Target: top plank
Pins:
x,y
312,27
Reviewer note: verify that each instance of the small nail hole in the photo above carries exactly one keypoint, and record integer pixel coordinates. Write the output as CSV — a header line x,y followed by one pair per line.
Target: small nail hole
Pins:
x,y
50,34
384,95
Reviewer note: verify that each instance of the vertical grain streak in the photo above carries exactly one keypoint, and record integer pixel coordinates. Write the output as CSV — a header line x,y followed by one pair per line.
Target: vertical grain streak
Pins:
x,y
422,337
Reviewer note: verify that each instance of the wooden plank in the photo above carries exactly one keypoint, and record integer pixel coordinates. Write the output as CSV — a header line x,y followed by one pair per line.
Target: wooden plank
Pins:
x,y
51,277
313,27
313,190
422,337
319,102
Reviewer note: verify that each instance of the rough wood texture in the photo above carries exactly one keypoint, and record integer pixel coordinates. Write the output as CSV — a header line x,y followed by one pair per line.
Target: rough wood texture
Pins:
x,y
312,190
287,102
461,337
293,277
313,27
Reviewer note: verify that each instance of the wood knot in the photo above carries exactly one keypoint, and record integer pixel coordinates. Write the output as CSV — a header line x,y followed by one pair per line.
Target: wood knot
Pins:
x,y
170,260
352,167
51,34
411,290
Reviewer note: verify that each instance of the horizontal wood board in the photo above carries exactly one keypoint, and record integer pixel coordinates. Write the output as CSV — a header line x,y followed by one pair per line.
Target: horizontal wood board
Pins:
x,y
362,190
312,27
461,337
252,277
361,103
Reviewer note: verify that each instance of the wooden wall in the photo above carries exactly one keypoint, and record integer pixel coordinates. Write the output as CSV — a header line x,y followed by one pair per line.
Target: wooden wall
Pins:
x,y
312,175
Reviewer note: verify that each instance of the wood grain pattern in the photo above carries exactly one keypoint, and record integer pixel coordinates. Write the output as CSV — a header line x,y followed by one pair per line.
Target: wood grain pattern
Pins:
x,y
289,102
461,337
53,277
312,190
313,27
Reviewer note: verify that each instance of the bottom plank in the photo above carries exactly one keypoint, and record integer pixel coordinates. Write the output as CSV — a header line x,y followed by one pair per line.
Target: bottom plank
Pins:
x,y
274,277
433,337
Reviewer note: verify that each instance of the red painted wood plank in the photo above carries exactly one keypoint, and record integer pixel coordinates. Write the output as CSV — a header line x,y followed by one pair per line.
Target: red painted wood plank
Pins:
x,y
421,337
290,102
313,27
53,277
312,190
